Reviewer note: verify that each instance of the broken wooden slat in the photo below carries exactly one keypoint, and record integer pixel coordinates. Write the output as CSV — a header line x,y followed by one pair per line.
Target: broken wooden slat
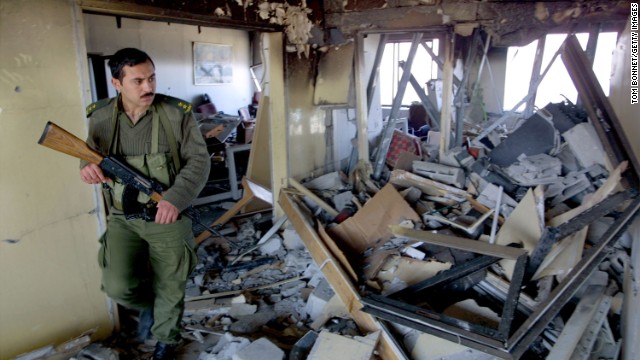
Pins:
x,y
336,276
251,192
427,186
315,198
335,250
483,209
475,246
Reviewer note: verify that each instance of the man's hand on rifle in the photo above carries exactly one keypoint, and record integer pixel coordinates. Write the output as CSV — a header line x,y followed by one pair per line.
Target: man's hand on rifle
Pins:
x,y
92,174
167,213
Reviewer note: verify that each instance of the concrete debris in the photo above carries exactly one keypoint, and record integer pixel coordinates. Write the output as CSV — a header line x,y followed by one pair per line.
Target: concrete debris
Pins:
x,y
259,349
271,246
226,347
97,352
333,346
585,145
318,299
301,349
291,240
443,173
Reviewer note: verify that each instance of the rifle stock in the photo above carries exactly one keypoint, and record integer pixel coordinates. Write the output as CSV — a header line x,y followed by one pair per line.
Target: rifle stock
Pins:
x,y
57,138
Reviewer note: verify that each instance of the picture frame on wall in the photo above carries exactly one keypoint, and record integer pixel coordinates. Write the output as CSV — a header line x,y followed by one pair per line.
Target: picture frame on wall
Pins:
x,y
212,64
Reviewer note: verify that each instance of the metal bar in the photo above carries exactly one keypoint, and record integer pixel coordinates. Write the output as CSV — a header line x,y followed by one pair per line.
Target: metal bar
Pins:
x,y
426,102
592,214
485,45
385,138
551,235
418,315
458,100
439,62
451,274
535,74
375,70
495,124
561,294
600,111
590,51
511,303
474,246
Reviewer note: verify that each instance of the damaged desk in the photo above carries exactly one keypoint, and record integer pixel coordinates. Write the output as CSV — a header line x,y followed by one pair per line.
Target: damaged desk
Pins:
x,y
219,132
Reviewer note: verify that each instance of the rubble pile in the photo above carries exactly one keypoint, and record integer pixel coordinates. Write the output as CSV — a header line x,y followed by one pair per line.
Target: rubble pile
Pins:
x,y
255,293
467,247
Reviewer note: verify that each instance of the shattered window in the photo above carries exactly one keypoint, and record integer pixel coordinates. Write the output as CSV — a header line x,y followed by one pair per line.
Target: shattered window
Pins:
x,y
556,84
423,69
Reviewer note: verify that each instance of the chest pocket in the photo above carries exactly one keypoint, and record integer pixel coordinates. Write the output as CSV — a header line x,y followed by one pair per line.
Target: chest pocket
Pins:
x,y
158,166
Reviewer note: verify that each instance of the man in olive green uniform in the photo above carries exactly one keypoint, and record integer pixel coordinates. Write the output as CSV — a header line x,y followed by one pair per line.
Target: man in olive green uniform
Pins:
x,y
147,251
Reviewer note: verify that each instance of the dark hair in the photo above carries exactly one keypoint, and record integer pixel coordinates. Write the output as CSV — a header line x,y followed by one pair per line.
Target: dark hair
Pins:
x,y
126,57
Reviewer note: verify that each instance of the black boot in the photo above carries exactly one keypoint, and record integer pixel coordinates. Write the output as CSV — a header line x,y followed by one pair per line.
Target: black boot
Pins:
x,y
145,321
164,351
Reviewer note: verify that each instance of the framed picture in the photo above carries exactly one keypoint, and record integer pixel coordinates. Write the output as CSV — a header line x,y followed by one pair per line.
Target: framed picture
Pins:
x,y
212,64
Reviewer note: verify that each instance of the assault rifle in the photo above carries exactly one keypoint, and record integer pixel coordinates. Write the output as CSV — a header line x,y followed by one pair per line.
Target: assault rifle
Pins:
x,y
57,138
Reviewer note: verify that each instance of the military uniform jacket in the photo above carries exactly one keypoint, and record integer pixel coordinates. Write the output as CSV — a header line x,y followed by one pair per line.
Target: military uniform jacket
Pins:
x,y
135,139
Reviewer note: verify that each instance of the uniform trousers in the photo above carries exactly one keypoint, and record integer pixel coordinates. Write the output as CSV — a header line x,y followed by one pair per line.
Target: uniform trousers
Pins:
x,y
146,265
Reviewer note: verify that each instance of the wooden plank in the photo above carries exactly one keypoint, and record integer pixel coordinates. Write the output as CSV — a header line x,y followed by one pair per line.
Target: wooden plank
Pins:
x,y
336,251
259,167
427,186
336,276
252,193
278,140
474,246
306,192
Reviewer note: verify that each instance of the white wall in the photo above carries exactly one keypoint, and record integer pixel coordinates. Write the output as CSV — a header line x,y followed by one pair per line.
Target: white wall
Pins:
x,y
170,47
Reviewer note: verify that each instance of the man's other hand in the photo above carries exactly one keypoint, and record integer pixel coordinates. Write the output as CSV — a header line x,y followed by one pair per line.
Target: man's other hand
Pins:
x,y
92,174
167,213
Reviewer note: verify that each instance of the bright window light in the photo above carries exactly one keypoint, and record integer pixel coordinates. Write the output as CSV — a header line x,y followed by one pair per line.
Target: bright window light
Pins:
x,y
423,69
557,83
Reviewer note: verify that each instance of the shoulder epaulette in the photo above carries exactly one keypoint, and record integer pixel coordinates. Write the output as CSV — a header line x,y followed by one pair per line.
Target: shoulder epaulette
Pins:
x,y
185,106
97,105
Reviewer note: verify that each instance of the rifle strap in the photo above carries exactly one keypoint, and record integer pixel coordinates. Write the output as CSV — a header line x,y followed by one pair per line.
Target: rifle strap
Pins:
x,y
171,137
